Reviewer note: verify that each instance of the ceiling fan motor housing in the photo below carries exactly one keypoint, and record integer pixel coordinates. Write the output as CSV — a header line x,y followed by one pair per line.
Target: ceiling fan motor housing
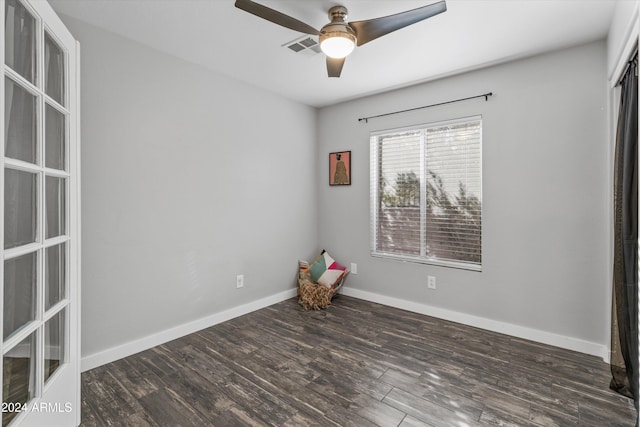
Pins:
x,y
337,27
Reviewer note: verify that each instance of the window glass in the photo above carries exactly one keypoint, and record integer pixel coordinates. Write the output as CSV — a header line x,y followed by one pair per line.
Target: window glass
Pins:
x,y
426,193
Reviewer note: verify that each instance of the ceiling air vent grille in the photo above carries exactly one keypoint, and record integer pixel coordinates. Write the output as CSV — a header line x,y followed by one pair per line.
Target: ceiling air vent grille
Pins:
x,y
305,45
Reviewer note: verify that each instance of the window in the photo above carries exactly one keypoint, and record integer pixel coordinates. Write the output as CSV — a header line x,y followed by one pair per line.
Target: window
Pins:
x,y
426,193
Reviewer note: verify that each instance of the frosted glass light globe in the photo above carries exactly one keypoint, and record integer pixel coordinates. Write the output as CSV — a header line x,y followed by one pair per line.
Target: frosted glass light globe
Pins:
x,y
337,47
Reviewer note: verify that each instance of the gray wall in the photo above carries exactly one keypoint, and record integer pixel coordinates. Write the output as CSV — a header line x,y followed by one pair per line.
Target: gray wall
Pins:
x,y
546,180
188,178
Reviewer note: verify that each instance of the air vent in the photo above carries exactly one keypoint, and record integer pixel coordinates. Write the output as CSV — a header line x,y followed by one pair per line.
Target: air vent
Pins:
x,y
305,45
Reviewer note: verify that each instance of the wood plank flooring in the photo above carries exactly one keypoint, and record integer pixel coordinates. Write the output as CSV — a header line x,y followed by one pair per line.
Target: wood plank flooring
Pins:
x,y
354,364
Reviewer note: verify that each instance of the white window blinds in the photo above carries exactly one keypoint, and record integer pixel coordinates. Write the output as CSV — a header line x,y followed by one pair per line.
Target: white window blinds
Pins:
x,y
426,193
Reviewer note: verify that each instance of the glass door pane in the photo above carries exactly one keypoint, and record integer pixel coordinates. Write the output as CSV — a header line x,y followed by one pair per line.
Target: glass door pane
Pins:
x,y
18,376
54,77
54,140
20,118
20,207
20,280
54,348
20,40
55,275
55,206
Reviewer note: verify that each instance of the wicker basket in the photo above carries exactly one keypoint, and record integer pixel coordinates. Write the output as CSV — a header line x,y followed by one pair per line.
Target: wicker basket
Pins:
x,y
312,296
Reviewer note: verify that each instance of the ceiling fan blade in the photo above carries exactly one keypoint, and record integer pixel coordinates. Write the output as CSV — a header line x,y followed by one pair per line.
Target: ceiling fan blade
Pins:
x,y
334,66
371,29
276,17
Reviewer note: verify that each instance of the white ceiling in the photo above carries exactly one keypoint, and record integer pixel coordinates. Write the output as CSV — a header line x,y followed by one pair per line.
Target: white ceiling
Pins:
x,y
469,35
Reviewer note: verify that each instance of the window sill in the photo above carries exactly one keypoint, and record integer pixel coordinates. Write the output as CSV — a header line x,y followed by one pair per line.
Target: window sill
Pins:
x,y
429,261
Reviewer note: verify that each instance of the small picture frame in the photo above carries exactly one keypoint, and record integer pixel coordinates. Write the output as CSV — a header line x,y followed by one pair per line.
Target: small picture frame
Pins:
x,y
340,168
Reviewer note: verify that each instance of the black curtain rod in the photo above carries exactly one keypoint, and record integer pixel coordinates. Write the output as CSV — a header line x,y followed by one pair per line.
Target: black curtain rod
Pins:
x,y
484,95
626,67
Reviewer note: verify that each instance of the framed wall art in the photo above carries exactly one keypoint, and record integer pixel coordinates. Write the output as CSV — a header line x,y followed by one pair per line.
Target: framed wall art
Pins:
x,y
340,168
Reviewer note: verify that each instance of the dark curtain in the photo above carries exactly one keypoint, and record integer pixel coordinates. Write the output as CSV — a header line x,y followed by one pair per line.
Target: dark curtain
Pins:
x,y
624,333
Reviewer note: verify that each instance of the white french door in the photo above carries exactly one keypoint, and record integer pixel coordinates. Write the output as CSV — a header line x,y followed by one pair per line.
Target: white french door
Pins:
x,y
39,189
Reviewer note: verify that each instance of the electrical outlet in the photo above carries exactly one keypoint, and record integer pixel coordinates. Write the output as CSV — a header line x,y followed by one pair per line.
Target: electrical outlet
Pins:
x,y
354,268
240,281
431,282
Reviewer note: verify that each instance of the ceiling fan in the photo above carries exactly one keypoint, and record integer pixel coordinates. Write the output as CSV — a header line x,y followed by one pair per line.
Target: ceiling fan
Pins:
x,y
338,38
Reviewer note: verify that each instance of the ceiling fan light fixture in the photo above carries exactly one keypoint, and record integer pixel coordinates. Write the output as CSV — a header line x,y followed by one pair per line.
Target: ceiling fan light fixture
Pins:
x,y
337,44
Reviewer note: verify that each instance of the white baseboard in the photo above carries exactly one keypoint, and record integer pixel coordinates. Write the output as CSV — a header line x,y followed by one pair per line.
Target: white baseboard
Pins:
x,y
112,354
536,335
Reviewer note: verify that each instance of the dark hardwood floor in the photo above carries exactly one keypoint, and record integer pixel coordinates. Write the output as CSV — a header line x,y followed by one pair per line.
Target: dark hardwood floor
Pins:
x,y
354,364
